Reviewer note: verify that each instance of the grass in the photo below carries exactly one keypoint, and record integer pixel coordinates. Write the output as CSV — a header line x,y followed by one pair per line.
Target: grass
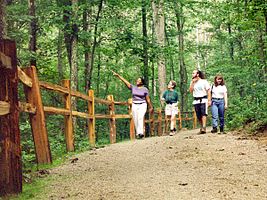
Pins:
x,y
31,190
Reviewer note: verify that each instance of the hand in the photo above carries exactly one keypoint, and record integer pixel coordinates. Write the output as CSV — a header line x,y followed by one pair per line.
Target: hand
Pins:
x,y
151,110
114,73
225,107
209,103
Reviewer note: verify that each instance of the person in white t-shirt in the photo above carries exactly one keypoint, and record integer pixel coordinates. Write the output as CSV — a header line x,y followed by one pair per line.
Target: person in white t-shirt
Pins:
x,y
201,93
219,103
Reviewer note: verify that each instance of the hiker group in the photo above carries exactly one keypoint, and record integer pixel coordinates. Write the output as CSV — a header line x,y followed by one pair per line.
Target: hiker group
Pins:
x,y
204,94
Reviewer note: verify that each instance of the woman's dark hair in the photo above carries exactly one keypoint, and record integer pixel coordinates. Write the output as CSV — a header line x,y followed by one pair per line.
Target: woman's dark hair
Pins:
x,y
201,74
218,77
142,79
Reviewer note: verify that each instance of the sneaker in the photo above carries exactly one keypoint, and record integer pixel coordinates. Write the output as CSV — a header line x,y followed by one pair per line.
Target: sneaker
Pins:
x,y
200,131
172,133
222,130
140,136
214,130
203,130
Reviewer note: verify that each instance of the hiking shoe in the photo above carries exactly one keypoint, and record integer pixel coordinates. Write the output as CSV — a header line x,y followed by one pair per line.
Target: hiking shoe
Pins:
x,y
200,130
203,130
140,136
172,133
214,130
222,130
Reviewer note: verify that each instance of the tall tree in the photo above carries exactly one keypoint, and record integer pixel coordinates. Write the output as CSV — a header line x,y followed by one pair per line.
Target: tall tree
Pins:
x,y
60,66
74,46
87,15
145,41
90,71
2,19
158,18
180,20
70,19
33,32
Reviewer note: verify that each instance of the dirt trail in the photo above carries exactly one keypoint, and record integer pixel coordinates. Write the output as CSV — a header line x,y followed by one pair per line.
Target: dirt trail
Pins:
x,y
185,166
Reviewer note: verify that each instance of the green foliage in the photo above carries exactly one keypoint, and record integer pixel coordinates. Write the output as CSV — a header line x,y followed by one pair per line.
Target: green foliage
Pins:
x,y
234,46
249,109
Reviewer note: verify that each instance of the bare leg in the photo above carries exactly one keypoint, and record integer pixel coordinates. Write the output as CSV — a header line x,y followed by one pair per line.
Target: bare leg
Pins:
x,y
204,122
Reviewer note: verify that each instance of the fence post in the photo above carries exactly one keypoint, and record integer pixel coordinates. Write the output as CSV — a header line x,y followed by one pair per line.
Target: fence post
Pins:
x,y
68,118
166,124
159,123
112,121
180,119
37,120
132,135
152,124
91,112
10,150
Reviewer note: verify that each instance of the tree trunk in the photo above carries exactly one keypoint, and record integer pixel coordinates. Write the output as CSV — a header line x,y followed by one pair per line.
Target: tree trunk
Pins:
x,y
231,44
183,71
145,42
59,56
94,44
33,32
67,29
3,33
170,58
74,57
87,14
158,18
98,75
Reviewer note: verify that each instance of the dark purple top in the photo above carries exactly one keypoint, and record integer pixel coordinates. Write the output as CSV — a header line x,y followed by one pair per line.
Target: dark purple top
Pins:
x,y
139,94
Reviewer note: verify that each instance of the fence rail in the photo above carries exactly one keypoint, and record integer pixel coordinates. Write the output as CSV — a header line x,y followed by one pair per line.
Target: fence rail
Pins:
x,y
35,108
158,124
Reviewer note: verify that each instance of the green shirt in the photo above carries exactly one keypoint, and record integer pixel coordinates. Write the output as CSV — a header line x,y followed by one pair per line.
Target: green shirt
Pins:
x,y
170,96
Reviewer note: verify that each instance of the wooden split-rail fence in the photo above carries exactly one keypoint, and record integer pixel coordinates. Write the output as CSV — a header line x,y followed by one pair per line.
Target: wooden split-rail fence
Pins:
x,y
10,148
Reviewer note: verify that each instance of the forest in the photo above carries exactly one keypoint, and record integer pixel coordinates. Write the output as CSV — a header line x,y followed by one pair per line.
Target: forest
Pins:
x,y
159,40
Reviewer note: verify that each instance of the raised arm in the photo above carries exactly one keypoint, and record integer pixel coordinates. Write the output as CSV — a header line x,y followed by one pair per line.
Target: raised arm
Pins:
x,y
191,88
122,79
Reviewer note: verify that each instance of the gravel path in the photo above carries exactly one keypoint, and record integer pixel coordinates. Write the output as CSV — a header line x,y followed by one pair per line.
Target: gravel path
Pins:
x,y
185,166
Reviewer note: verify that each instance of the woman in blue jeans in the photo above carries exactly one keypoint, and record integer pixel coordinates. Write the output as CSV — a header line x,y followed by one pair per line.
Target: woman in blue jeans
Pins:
x,y
219,103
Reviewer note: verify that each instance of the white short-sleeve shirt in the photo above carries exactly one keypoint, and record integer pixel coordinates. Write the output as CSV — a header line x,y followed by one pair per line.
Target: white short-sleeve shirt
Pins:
x,y
218,91
200,90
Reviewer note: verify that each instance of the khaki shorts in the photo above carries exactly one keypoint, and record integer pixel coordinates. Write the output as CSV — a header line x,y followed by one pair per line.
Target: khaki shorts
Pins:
x,y
171,109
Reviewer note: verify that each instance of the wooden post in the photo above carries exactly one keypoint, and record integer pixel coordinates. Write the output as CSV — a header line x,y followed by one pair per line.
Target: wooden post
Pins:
x,y
91,124
159,123
132,135
68,125
180,119
112,121
194,119
152,124
166,124
10,150
37,120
